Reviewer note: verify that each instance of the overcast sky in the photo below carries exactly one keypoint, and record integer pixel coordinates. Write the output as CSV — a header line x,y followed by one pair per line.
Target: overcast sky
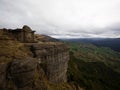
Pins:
x,y
63,18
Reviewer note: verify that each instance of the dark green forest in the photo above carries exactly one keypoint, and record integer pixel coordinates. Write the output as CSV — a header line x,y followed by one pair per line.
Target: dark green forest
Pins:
x,y
94,68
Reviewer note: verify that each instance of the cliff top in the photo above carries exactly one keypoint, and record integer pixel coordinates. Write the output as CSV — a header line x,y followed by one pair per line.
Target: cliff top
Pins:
x,y
13,45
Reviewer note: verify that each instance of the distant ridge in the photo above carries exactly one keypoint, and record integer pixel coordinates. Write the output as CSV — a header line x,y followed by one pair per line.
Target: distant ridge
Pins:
x,y
113,43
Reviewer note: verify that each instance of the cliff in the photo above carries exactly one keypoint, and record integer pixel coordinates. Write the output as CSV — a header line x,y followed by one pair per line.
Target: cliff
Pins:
x,y
27,63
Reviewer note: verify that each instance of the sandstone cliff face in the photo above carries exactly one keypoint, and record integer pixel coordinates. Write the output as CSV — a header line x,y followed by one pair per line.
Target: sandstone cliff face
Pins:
x,y
32,66
3,68
53,57
22,72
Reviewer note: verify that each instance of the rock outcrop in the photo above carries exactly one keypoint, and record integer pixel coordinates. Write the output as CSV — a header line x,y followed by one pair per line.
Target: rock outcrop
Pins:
x,y
26,34
28,65
3,72
22,72
54,58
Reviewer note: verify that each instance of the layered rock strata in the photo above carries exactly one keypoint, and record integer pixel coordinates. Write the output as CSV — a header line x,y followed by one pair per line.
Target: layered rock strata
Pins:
x,y
53,57
24,65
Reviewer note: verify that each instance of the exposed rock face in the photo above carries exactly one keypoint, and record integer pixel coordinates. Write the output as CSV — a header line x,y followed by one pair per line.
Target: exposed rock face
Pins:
x,y
22,75
46,62
3,69
23,35
54,58
23,72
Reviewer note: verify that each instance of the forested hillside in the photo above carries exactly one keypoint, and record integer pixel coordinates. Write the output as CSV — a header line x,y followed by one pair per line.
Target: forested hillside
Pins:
x,y
113,43
94,68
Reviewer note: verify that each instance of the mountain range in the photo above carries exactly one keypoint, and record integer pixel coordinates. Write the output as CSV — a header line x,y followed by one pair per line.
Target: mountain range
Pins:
x,y
113,43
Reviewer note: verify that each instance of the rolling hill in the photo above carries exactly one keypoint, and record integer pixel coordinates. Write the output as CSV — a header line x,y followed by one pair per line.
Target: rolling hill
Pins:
x,y
94,68
113,43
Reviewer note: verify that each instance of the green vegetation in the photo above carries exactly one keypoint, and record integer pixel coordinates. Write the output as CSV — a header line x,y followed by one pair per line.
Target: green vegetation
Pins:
x,y
91,53
94,68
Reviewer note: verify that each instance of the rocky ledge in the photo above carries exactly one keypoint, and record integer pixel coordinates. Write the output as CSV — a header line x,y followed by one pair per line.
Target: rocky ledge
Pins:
x,y
29,64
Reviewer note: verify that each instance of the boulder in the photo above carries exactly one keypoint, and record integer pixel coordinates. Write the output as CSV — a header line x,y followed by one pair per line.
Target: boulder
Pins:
x,y
23,72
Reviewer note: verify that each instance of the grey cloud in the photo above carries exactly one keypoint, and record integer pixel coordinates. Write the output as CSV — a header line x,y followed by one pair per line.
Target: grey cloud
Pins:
x,y
63,18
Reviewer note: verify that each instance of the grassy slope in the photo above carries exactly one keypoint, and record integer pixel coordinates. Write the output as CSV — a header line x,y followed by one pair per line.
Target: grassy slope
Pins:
x,y
94,68
11,49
